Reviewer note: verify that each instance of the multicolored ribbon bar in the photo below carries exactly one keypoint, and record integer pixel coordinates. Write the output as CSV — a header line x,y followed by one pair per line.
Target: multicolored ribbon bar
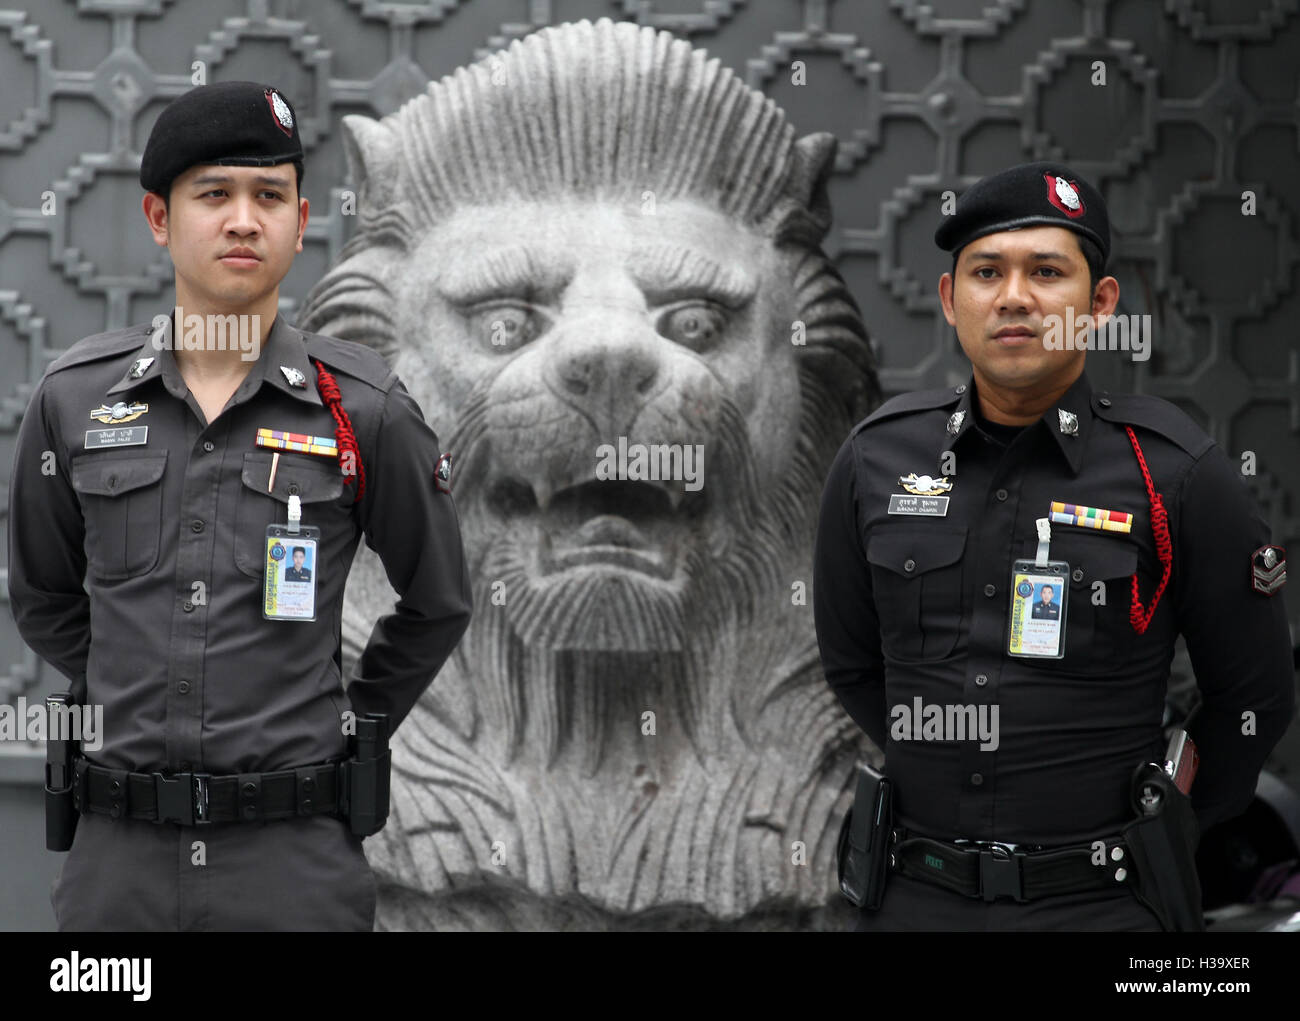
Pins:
x,y
326,446
1090,517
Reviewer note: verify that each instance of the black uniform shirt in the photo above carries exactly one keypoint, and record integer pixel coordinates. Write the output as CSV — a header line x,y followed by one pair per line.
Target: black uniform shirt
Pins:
x,y
167,631
917,606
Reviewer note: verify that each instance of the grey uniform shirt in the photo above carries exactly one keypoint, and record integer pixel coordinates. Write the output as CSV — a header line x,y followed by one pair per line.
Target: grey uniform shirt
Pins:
x,y
136,570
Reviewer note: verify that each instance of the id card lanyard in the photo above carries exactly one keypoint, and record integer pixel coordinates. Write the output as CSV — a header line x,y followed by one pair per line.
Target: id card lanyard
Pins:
x,y
1039,590
291,568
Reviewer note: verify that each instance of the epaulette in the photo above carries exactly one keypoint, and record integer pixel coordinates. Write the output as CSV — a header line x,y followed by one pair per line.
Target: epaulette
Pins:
x,y
351,358
1156,414
903,404
96,348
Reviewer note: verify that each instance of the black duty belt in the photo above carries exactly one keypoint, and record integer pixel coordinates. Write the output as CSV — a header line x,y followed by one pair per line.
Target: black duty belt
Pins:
x,y
990,869
196,799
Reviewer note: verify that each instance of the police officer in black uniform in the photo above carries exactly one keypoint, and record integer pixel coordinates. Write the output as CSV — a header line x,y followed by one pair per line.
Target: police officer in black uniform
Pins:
x,y
158,474
945,508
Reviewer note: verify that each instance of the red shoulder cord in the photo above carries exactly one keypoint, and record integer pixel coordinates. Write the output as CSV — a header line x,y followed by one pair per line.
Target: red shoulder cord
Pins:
x,y
1139,618
347,440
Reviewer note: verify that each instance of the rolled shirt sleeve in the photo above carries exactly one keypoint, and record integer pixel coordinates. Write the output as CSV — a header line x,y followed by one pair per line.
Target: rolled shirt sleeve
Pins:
x,y
414,528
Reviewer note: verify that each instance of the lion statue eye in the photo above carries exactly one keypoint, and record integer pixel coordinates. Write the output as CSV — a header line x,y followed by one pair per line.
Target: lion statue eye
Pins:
x,y
505,328
696,326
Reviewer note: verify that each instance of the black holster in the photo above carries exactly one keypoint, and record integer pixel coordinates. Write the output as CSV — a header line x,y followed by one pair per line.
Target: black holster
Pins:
x,y
366,776
60,810
863,847
1162,841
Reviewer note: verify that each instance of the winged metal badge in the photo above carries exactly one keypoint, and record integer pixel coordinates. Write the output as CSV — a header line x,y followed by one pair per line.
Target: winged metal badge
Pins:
x,y
118,413
924,485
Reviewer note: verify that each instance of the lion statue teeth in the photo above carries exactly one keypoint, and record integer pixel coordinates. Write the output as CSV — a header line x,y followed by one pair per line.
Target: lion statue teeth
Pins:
x,y
600,240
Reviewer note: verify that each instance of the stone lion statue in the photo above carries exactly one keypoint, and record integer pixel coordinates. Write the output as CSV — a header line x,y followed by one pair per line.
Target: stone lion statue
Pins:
x,y
601,240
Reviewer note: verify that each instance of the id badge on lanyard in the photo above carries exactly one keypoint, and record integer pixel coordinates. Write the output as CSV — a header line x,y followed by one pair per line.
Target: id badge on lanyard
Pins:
x,y
291,568
1039,590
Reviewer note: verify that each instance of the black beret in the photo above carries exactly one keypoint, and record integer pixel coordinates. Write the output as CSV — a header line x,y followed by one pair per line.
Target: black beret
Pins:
x,y
1030,195
241,124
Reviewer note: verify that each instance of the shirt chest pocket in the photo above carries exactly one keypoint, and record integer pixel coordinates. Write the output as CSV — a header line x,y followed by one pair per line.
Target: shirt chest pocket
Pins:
x,y
1098,636
121,502
916,579
316,482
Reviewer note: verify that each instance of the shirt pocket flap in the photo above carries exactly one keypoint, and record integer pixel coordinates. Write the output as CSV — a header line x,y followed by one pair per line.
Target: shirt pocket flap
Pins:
x,y
911,553
1093,558
100,475
308,478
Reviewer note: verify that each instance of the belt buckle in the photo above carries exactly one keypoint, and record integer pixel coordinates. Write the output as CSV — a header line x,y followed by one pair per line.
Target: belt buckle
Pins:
x,y
1000,872
183,798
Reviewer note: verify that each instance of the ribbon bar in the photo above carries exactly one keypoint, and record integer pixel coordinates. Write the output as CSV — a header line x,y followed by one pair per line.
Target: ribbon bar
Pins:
x,y
1090,517
278,439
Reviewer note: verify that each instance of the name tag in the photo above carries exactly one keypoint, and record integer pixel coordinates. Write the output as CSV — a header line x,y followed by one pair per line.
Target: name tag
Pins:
x,y
126,436
933,506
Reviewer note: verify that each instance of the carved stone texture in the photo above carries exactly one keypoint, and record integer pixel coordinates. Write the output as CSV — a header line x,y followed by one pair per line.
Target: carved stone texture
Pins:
x,y
602,237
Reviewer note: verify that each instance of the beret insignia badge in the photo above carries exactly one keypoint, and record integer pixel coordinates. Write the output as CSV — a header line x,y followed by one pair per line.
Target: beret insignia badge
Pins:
x,y
1064,196
280,111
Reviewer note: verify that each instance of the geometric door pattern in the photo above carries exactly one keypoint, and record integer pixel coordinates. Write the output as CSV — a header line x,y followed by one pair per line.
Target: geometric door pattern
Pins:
x,y
1185,114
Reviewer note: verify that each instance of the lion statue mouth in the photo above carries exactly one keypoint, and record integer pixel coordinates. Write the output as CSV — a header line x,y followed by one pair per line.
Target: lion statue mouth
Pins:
x,y
636,526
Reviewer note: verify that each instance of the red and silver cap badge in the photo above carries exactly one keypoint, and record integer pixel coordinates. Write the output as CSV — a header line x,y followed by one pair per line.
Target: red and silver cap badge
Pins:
x,y
280,111
1064,195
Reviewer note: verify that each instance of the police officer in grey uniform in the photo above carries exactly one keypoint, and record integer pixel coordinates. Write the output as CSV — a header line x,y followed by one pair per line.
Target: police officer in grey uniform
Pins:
x,y
148,479
1147,531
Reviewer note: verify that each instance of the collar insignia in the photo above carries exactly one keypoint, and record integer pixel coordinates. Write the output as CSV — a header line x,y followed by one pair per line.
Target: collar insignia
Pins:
x,y
442,473
294,377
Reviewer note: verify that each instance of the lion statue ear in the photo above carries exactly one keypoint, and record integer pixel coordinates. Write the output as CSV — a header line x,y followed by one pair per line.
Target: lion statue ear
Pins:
x,y
373,159
811,162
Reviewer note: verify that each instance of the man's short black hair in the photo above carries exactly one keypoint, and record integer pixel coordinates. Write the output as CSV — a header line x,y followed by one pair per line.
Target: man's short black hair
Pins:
x,y
300,549
297,169
1091,255
1047,588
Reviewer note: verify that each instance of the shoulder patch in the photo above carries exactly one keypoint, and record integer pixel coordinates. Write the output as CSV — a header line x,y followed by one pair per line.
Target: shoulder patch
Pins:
x,y
101,346
351,359
904,404
1155,414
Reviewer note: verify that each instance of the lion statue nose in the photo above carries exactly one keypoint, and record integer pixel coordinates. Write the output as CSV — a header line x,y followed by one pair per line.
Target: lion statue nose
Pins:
x,y
608,379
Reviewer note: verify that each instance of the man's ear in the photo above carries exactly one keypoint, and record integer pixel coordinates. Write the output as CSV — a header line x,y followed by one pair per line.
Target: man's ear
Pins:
x,y
155,214
303,206
945,298
1105,297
